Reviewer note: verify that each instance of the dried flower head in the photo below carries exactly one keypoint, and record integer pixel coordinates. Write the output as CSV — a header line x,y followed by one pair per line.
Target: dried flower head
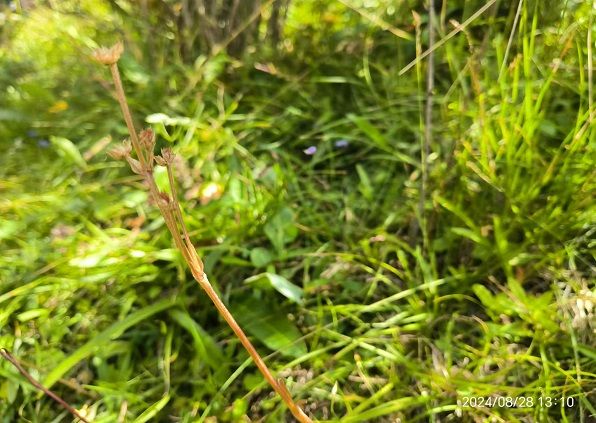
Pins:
x,y
160,161
120,151
109,55
163,200
135,165
168,155
147,139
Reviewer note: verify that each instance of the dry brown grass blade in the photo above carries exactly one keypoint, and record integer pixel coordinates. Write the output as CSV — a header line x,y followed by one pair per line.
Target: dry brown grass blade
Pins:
x,y
448,36
12,360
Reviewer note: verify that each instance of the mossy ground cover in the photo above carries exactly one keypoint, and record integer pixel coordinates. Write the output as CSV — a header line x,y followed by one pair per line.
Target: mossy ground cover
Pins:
x,y
300,177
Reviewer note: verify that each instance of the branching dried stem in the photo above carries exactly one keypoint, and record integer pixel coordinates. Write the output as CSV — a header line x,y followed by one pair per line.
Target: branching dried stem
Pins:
x,y
143,145
12,360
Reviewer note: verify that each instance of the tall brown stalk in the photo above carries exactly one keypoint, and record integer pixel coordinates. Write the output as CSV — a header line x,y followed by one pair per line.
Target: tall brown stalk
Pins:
x,y
143,145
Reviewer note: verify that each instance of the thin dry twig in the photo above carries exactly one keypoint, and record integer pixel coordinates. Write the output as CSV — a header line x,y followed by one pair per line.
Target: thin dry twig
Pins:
x,y
428,122
590,58
510,41
12,360
143,145
448,36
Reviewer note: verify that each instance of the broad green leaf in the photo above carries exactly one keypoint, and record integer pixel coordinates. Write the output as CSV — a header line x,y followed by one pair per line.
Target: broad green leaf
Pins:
x,y
270,326
9,390
100,340
280,284
13,390
261,257
205,346
167,254
65,148
280,229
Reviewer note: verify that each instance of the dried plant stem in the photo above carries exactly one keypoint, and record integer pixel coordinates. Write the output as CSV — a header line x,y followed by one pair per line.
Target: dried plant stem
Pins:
x,y
12,360
590,59
170,209
511,36
278,385
447,37
428,124
126,112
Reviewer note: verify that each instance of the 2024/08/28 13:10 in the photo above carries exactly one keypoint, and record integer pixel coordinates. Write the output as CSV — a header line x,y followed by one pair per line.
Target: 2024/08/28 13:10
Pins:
x,y
515,402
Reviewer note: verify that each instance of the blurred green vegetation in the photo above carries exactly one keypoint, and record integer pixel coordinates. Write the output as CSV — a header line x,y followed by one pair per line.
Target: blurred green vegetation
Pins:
x,y
299,149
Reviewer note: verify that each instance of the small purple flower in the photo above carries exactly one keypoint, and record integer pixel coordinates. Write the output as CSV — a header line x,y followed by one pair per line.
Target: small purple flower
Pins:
x,y
310,150
342,143
32,133
43,143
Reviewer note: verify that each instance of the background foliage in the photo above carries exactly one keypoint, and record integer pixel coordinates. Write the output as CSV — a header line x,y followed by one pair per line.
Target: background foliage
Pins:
x,y
300,167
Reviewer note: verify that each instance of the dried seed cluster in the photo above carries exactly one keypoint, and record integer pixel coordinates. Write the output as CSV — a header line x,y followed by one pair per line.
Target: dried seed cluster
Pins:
x,y
146,146
109,55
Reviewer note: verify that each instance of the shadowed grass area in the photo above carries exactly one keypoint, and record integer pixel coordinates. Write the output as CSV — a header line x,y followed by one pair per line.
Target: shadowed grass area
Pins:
x,y
300,174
